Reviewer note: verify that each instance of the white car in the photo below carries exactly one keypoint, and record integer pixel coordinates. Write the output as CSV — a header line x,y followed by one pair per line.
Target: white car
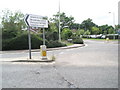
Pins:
x,y
103,36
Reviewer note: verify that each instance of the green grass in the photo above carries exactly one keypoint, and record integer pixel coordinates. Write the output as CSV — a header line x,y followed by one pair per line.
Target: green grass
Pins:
x,y
92,39
98,39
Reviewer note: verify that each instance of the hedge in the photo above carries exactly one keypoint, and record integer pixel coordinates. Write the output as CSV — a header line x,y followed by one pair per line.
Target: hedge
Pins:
x,y
52,44
77,40
21,42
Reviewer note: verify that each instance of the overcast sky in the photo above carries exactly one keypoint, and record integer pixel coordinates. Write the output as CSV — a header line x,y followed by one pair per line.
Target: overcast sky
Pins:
x,y
97,10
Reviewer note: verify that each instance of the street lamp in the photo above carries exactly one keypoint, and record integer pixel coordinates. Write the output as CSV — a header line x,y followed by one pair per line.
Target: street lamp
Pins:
x,y
59,23
113,21
113,18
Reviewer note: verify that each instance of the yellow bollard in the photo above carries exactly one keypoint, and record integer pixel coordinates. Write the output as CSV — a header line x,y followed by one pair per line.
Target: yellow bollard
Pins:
x,y
107,39
43,52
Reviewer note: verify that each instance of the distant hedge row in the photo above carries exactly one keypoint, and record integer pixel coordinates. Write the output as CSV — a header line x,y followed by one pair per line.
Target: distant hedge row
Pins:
x,y
112,36
77,40
21,42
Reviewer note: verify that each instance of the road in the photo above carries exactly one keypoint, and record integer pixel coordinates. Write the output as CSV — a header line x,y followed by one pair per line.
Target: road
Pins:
x,y
92,66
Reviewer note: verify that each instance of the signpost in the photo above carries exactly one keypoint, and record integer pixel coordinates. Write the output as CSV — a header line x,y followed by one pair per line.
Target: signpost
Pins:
x,y
35,21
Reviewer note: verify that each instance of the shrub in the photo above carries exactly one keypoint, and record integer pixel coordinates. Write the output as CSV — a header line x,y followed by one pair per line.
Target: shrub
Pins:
x,y
112,36
5,44
21,42
51,36
77,40
52,44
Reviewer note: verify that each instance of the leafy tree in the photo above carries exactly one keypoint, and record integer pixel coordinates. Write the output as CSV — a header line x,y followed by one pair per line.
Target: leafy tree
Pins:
x,y
64,20
111,31
117,27
87,25
104,29
105,32
74,26
12,23
66,33
80,32
87,32
53,27
95,30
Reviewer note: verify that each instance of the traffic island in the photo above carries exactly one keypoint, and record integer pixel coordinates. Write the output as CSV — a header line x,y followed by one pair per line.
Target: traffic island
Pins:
x,y
43,55
33,61
42,58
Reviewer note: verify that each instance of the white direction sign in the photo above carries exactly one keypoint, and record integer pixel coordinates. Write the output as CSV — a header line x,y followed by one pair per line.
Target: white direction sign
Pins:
x,y
36,21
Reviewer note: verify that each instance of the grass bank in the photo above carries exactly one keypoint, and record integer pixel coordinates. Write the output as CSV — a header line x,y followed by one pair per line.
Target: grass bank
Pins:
x,y
99,39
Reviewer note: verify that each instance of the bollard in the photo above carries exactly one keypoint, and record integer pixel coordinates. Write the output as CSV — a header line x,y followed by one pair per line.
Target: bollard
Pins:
x,y
43,52
107,39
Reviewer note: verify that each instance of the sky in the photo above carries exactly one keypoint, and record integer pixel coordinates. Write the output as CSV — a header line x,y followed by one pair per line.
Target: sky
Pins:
x,y
97,10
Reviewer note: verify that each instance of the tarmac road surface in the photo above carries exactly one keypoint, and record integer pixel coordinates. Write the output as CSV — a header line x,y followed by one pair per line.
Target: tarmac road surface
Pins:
x,y
92,66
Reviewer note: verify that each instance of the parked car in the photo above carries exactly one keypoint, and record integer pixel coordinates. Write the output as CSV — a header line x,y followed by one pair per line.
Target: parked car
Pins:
x,y
96,36
103,36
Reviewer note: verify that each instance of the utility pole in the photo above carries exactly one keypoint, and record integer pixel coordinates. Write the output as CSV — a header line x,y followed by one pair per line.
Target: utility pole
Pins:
x,y
113,21
59,24
119,13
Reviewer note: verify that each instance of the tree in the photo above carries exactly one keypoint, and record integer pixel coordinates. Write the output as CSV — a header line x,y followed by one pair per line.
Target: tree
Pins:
x,y
87,33
53,27
117,26
66,33
87,24
64,20
80,32
104,29
74,26
95,30
12,23
111,31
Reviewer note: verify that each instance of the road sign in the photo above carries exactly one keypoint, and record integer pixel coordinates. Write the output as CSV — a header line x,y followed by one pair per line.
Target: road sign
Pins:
x,y
36,21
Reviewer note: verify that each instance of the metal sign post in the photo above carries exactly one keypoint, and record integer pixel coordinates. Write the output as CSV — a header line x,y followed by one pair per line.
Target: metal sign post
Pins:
x,y
43,36
35,21
29,39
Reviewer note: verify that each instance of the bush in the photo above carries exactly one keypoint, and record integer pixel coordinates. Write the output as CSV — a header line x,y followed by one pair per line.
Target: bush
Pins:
x,y
51,36
21,42
77,40
52,44
112,36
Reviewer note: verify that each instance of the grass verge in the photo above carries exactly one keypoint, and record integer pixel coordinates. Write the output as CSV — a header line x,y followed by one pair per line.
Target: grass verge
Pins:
x,y
99,39
67,43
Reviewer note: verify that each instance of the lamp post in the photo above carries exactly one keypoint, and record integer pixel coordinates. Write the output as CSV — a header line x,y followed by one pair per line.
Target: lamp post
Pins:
x,y
113,18
113,21
59,23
